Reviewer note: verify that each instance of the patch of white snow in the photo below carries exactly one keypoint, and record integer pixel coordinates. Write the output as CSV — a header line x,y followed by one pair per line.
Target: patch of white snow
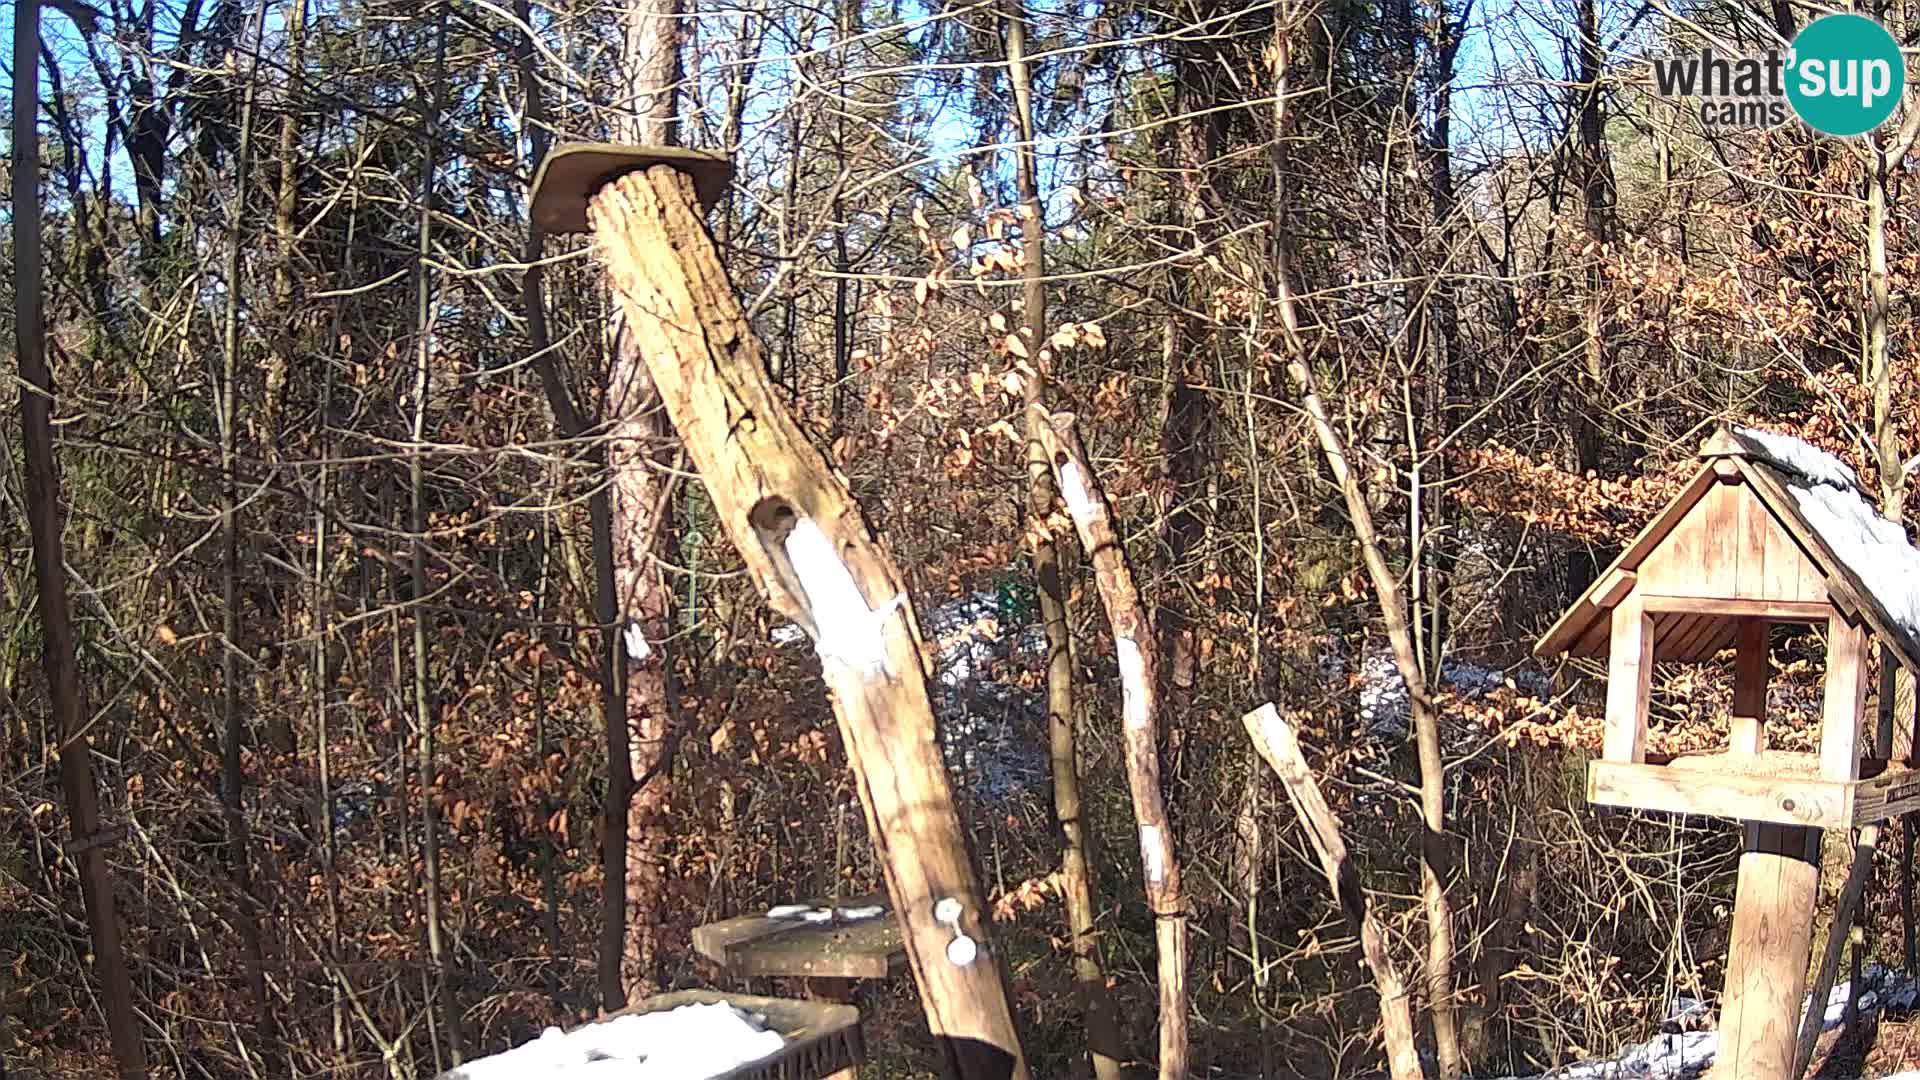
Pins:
x,y
1800,457
1828,494
687,1043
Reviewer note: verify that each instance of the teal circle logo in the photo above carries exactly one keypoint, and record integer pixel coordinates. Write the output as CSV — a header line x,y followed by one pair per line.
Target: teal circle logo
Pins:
x,y
1845,75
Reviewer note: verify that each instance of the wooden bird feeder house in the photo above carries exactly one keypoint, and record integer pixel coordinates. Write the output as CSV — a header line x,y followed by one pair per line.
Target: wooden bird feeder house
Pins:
x,y
1768,531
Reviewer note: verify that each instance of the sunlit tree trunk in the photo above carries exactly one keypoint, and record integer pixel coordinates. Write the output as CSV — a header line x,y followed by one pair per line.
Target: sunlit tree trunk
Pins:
x,y
639,451
1090,981
425,716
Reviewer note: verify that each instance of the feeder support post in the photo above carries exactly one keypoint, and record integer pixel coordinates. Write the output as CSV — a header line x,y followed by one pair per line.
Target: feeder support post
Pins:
x,y
809,551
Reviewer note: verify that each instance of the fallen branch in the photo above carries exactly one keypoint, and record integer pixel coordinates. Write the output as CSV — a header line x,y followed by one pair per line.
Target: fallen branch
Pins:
x,y
1273,737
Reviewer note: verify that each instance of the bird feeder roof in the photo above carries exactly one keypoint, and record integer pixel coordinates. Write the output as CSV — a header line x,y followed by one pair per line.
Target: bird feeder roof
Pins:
x,y
1786,502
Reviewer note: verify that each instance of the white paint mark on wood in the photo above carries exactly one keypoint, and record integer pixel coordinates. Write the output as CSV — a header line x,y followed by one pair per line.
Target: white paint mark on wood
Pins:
x,y
1073,488
1133,680
637,646
848,632
1152,854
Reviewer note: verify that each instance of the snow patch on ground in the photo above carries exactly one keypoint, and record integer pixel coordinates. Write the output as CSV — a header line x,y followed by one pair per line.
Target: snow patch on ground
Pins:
x,y
1685,1055
687,1043
988,724
1384,704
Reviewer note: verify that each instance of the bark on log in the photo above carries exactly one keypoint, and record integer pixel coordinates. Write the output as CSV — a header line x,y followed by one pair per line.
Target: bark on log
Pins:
x,y
1273,737
1139,659
811,555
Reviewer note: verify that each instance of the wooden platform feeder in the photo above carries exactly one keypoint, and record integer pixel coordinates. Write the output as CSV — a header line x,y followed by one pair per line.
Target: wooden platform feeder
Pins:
x,y
1768,531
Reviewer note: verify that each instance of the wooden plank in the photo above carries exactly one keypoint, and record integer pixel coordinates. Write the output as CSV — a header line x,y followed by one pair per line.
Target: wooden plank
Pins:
x,y
1669,631
1751,671
1894,793
1573,623
1714,793
869,949
1717,521
757,945
1767,955
1704,630
1837,932
1275,741
1594,641
1725,633
1612,587
1629,681
1843,700
1786,611
812,556
1756,532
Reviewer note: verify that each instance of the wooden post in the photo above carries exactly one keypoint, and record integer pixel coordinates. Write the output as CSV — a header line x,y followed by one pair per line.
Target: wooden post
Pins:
x,y
1767,956
1752,668
1629,682
1273,737
1844,700
811,555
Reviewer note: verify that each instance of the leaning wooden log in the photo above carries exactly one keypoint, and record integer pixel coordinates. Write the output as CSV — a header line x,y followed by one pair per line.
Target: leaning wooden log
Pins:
x,y
1837,935
1133,640
1273,737
811,555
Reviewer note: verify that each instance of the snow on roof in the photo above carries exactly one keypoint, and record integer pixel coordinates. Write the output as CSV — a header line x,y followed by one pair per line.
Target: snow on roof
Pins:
x,y
1829,496
1799,457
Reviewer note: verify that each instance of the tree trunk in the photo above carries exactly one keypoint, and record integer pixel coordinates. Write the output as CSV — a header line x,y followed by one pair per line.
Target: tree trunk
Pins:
x,y
1393,611
425,716
1139,659
49,558
810,553
233,776
639,446
1089,978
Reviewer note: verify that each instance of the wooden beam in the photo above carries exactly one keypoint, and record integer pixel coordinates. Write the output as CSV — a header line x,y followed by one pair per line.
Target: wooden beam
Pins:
x,y
811,555
1767,956
1894,793
1752,669
1629,682
1786,611
1273,737
1711,792
1843,700
1612,587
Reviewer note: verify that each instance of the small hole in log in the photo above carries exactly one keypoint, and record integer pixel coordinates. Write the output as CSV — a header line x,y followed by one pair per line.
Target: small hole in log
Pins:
x,y
1059,457
771,516
1787,805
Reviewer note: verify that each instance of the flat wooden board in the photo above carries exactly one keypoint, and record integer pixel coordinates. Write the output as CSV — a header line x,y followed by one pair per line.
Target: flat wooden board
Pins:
x,y
1777,787
573,172
754,945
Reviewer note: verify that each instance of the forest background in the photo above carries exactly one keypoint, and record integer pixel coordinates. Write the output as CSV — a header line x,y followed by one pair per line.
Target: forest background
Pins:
x,y
362,498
